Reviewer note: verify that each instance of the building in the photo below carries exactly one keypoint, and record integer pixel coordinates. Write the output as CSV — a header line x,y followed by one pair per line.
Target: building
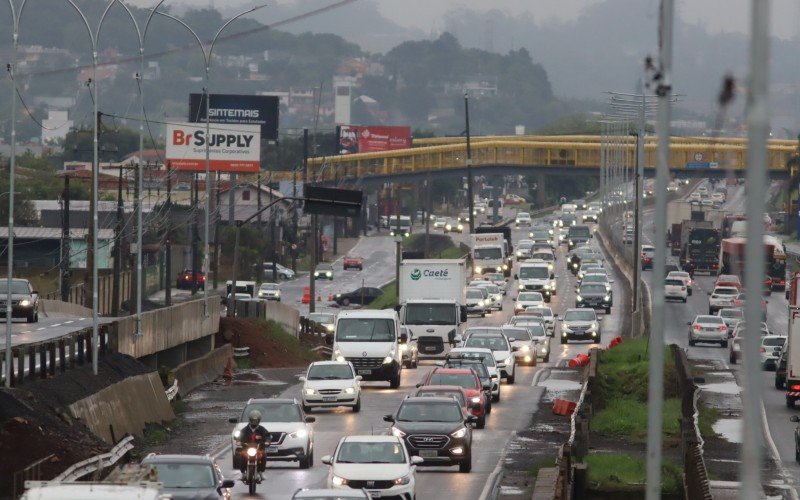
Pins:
x,y
40,247
246,202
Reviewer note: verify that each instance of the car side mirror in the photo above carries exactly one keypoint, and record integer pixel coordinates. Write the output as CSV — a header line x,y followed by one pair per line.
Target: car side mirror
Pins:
x,y
471,419
403,338
233,420
439,363
516,277
311,420
464,316
599,318
327,460
34,292
487,387
511,339
415,460
419,385
397,307
359,378
228,483
688,323
388,418
514,349
301,379
709,293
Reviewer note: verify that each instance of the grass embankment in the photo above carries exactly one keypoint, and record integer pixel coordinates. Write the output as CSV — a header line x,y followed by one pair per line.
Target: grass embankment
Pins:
x,y
271,346
621,395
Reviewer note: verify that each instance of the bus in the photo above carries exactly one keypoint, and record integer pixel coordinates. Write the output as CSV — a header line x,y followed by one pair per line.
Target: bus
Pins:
x,y
732,258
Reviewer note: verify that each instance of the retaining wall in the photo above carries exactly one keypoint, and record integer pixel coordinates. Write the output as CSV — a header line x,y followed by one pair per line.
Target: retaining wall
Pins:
x,y
197,372
286,316
126,406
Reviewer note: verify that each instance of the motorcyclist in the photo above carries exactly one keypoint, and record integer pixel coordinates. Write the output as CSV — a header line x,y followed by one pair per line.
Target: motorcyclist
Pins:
x,y
689,267
255,433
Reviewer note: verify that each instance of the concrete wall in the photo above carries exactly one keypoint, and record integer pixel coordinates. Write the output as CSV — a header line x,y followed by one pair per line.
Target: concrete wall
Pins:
x,y
58,307
127,406
165,328
197,372
287,316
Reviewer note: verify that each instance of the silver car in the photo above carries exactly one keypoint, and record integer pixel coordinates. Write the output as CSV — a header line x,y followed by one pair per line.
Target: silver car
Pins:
x,y
707,328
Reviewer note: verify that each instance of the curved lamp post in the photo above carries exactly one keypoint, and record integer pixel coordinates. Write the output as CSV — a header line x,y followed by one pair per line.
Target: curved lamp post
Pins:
x,y
206,95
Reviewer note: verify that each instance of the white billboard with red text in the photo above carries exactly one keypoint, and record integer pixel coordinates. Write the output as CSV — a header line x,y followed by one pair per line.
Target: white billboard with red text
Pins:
x,y
231,147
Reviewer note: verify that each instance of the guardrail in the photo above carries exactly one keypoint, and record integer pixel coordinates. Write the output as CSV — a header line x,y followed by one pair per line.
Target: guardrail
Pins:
x,y
172,390
77,471
33,472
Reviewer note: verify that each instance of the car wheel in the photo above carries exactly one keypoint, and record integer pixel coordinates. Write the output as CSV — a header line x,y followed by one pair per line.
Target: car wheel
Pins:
x,y
489,406
510,379
481,422
732,359
415,363
790,402
501,307
283,277
357,406
564,340
684,300
546,359
496,397
466,465
307,461
30,317
691,343
345,302
307,409
724,344
778,383
394,382
710,311
483,315
608,310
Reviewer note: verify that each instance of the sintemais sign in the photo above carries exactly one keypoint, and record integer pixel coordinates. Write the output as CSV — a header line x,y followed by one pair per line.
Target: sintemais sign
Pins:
x,y
241,109
231,148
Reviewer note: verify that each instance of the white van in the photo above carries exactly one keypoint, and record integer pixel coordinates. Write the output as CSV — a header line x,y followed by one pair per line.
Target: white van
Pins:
x,y
370,341
568,208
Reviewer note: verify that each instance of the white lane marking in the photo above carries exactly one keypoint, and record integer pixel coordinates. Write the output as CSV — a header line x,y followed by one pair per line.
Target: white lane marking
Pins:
x,y
40,329
773,450
26,331
493,477
55,324
215,455
81,319
537,376
68,322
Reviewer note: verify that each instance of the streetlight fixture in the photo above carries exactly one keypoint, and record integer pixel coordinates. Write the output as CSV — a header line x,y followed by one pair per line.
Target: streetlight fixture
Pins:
x,y
206,95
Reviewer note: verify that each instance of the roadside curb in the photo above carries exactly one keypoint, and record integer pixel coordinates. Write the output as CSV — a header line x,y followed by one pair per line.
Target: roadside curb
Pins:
x,y
491,489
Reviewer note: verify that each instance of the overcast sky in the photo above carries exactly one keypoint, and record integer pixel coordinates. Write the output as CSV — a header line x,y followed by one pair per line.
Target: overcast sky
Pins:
x,y
716,15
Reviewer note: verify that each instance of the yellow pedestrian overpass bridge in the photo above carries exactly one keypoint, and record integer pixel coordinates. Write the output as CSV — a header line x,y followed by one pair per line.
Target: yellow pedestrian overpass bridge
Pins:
x,y
567,155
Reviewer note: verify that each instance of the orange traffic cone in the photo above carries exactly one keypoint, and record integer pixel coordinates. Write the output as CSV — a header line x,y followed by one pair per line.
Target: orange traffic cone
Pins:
x,y
228,373
330,297
306,295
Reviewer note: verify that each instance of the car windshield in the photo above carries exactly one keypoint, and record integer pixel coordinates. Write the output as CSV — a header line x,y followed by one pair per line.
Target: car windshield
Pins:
x,y
488,253
774,341
579,316
493,289
365,330
530,297
321,318
493,343
732,313
517,333
495,277
330,372
474,294
269,286
466,380
523,215
593,289
726,291
544,311
525,245
474,364
594,278
183,475
536,330
273,412
541,234
546,256
430,314
17,288
355,452
427,412
579,231
485,357
712,320
534,272
432,392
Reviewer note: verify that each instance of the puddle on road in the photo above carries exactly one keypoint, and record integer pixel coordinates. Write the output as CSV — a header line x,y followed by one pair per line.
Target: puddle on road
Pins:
x,y
721,388
560,385
729,428
510,490
719,374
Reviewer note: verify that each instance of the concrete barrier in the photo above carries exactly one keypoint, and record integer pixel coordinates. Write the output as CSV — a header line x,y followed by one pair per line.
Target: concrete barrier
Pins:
x,y
286,316
197,372
125,407
50,306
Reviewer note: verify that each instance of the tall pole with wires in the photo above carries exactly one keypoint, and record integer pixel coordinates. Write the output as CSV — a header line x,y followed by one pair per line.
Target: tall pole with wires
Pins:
x,y
470,200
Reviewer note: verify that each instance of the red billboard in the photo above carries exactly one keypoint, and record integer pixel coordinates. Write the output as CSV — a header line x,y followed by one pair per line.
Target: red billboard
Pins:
x,y
371,138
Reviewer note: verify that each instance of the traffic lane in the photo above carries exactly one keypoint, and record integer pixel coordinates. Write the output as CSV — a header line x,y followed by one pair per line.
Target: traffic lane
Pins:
x,y
50,327
513,412
780,431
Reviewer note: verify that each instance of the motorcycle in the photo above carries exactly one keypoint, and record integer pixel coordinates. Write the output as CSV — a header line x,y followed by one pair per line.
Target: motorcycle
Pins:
x,y
253,454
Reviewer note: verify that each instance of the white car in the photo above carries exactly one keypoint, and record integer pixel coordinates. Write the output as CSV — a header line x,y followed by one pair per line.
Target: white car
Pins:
x,y
722,297
535,336
524,249
770,350
495,293
501,350
283,272
706,328
547,315
440,223
498,279
330,384
487,357
380,464
292,436
683,275
523,219
269,291
731,316
675,288
528,299
475,302
326,319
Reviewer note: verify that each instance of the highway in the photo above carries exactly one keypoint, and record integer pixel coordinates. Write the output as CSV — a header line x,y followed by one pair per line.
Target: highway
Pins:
x,y
519,401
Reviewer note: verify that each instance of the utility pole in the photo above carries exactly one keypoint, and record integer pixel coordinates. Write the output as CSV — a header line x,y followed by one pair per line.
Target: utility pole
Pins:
x,y
117,249
168,244
65,243
312,286
398,241
428,216
135,275
470,201
294,221
89,280
195,235
217,220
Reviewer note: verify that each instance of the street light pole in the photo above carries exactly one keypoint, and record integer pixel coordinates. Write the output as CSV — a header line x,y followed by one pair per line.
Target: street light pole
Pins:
x,y
206,96
470,201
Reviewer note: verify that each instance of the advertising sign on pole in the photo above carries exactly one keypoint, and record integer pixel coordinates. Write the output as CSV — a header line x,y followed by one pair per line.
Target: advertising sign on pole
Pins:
x,y
371,138
242,109
232,148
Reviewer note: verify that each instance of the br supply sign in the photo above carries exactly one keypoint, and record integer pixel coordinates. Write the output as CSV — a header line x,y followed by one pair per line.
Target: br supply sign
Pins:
x,y
231,148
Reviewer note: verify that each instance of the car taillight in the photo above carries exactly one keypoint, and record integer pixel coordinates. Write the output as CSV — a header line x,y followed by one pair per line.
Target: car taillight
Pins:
x,y
783,282
683,289
795,387
696,327
761,349
722,328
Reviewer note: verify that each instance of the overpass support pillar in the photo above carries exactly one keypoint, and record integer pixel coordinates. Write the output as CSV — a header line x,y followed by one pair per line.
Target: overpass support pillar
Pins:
x,y
541,199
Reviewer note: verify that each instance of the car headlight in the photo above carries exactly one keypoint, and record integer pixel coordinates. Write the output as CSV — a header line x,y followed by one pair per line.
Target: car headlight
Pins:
x,y
236,434
525,348
478,269
519,254
24,302
508,360
521,287
544,350
579,298
403,347
329,274
448,227
547,286
387,360
338,481
549,267
570,242
407,234
481,303
593,326
460,227
309,391
607,298
251,452
397,432
329,328
402,480
300,433
505,267
475,400
460,433
349,390
574,266
316,274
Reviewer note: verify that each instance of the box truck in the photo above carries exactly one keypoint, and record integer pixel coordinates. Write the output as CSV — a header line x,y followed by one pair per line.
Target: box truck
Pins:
x,y
432,303
489,253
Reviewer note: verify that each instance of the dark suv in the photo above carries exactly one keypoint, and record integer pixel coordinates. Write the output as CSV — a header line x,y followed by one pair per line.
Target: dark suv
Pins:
x,y
435,429
594,295
24,300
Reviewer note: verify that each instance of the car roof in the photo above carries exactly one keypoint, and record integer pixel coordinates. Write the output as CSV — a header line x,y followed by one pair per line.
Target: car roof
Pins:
x,y
431,388
481,350
271,401
176,458
370,439
429,399
330,362
306,493
373,313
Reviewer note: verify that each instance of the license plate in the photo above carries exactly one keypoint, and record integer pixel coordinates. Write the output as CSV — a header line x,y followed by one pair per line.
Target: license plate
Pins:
x,y
428,453
365,372
272,449
329,398
431,348
374,494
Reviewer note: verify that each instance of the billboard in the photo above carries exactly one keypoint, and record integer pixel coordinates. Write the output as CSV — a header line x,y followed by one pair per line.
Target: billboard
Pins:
x,y
241,109
371,138
232,148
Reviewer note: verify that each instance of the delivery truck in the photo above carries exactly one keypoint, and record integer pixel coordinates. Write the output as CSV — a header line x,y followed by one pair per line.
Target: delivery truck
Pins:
x,y
432,303
490,253
793,353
